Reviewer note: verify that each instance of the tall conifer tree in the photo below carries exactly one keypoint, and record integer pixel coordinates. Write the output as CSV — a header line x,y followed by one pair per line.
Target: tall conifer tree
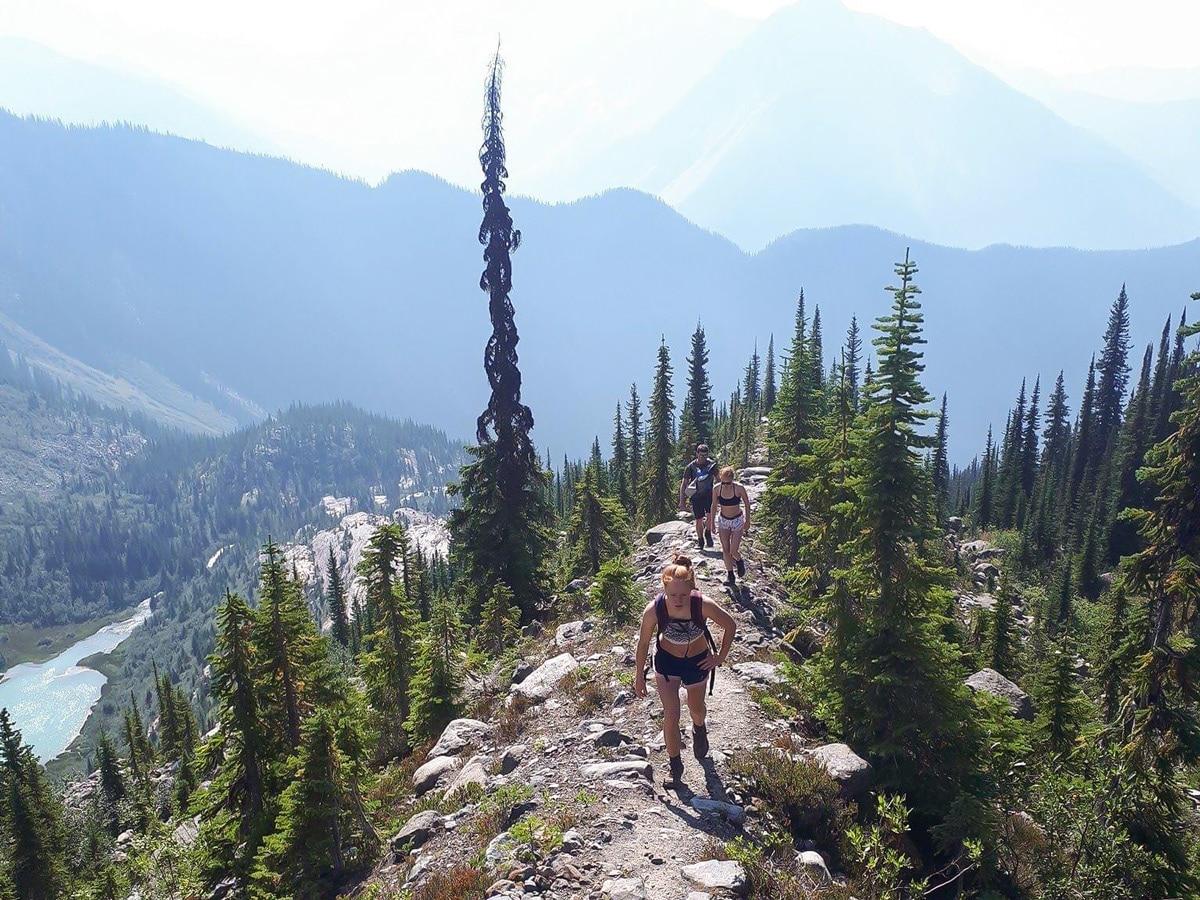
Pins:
x,y
658,493
769,377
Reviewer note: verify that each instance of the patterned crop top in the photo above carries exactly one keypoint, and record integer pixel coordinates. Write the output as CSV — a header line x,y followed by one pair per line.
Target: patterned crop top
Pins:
x,y
680,632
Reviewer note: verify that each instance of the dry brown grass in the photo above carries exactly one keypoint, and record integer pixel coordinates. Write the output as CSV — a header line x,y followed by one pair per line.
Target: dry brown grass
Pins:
x,y
459,883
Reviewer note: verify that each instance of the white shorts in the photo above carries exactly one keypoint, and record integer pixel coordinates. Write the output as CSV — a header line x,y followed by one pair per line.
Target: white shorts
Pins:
x,y
724,524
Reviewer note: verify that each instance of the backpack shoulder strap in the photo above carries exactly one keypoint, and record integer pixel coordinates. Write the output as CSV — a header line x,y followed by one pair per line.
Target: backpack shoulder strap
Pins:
x,y
660,611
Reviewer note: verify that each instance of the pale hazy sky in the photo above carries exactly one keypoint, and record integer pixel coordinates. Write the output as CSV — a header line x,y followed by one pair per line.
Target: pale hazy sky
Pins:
x,y
368,86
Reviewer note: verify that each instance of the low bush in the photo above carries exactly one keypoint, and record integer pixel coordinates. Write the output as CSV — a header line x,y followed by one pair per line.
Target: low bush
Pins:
x,y
459,883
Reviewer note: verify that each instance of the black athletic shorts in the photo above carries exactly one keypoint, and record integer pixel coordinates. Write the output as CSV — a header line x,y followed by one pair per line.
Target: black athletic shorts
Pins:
x,y
686,669
701,504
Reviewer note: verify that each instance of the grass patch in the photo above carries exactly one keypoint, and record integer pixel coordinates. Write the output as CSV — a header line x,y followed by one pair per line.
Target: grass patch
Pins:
x,y
28,643
538,837
771,870
584,687
459,883
496,810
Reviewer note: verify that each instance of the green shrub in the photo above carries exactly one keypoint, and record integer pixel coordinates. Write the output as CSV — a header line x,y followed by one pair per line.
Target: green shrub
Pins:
x,y
614,594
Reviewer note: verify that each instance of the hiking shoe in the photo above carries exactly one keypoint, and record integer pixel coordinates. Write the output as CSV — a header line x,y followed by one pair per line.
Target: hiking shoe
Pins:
x,y
674,769
730,578
700,741
700,543
741,566
708,537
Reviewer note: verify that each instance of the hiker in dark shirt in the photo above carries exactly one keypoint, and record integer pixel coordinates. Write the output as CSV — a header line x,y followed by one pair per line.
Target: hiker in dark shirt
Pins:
x,y
697,482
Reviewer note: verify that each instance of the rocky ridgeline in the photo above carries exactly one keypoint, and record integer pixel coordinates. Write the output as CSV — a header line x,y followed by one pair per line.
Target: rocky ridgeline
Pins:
x,y
562,787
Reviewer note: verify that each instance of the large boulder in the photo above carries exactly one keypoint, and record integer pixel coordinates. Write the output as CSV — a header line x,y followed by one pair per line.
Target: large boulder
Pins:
x,y
846,767
763,673
664,530
542,681
416,831
474,772
426,778
813,865
992,682
457,735
717,875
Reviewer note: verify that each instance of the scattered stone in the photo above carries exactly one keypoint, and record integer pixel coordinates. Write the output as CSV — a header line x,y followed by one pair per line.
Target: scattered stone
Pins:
x,y
572,841
512,758
846,767
532,630
577,584
501,886
474,772
416,832
623,768
457,735
521,671
761,471
986,570
542,681
992,682
731,811
187,832
571,631
610,737
623,889
500,849
763,673
665,530
954,523
426,778
719,875
812,864
699,895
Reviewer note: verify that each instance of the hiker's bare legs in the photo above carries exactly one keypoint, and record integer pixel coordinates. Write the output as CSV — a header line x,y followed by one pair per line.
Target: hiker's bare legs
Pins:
x,y
697,702
668,692
734,541
727,548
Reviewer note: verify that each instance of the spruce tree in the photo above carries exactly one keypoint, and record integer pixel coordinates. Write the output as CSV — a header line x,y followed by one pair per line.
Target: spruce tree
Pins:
x,y
940,467
1030,453
614,594
1002,641
33,864
699,403
768,400
752,382
853,354
497,623
1008,481
501,532
816,359
986,510
1083,444
1061,707
620,462
597,529
340,628
658,493
1135,435
633,409
1113,372
435,688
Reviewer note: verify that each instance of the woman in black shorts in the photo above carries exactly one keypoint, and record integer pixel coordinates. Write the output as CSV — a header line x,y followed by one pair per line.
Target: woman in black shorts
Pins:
x,y
682,656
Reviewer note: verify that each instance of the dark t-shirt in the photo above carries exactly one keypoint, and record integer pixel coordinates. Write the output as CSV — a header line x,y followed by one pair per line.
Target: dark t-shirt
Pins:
x,y
702,475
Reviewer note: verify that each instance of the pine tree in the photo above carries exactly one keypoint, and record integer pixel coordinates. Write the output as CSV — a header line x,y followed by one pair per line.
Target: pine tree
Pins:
x,y
108,764
699,390
497,623
317,840
1002,643
752,382
1113,372
901,697
1030,452
241,781
141,751
853,353
1083,442
1008,481
769,378
1160,409
1159,713
620,462
1134,438
596,531
501,532
633,409
1061,708
985,512
941,466
388,664
340,628
33,864
614,594
816,358
658,495
435,688
1058,431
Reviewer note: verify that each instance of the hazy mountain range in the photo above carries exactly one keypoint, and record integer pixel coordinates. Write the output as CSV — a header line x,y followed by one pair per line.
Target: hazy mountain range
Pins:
x,y
814,117
206,286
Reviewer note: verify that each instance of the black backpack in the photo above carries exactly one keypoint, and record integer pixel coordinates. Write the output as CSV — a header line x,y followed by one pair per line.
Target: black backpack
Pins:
x,y
661,614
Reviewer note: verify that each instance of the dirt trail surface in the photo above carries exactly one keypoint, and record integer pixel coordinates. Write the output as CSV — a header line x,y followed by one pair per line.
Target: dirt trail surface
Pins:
x,y
593,758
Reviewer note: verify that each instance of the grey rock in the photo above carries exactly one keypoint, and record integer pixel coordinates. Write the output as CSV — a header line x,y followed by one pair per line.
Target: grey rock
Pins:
x,y
500,849
521,671
992,682
986,570
610,737
731,811
533,629
577,584
427,776
720,875
187,832
571,631
761,471
572,841
664,530
512,758
813,865
623,889
954,523
763,673
416,831
623,768
846,767
457,735
698,895
542,681
474,772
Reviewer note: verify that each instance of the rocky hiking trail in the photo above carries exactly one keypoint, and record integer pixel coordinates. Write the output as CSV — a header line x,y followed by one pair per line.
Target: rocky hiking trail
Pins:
x,y
599,772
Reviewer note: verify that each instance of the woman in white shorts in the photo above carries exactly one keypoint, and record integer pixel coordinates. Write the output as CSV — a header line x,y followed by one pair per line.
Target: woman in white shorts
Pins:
x,y
733,521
